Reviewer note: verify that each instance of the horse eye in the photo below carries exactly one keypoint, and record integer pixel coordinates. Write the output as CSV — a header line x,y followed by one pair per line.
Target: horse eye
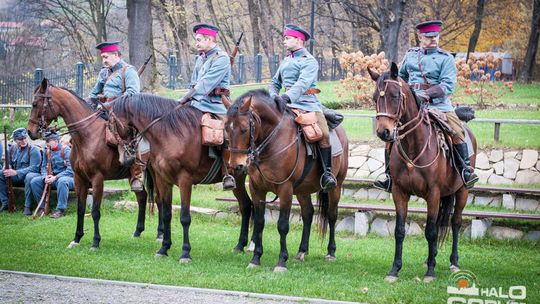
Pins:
x,y
243,130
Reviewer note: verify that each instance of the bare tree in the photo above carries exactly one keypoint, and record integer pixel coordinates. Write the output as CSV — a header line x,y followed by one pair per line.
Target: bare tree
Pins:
x,y
477,27
532,48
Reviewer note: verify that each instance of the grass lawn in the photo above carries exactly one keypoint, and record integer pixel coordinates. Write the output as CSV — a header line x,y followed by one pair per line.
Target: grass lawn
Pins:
x,y
357,275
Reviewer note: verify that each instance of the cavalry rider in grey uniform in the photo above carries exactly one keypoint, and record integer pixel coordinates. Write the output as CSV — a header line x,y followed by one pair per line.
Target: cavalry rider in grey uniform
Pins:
x,y
298,73
61,178
117,78
24,159
431,73
210,79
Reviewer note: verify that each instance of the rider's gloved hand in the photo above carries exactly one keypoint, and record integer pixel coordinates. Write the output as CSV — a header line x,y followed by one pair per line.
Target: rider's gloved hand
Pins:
x,y
423,97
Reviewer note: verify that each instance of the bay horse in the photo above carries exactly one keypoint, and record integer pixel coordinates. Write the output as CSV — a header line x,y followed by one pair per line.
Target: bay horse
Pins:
x,y
266,143
177,157
418,167
93,161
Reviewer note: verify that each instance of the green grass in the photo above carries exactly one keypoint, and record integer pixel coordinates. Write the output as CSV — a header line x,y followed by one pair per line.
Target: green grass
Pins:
x,y
40,246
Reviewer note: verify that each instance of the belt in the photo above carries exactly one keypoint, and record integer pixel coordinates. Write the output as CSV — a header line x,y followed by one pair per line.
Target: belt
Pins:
x,y
107,99
219,92
310,91
421,86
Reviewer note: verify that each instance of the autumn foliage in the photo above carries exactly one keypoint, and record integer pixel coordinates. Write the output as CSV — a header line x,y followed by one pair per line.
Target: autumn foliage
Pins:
x,y
356,89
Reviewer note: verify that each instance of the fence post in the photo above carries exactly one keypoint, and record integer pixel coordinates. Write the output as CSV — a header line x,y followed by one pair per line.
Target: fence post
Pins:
x,y
79,87
334,68
374,126
497,131
173,63
38,76
320,59
258,68
241,71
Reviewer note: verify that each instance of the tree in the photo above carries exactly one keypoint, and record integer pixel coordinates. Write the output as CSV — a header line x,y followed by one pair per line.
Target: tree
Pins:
x,y
532,48
139,13
477,27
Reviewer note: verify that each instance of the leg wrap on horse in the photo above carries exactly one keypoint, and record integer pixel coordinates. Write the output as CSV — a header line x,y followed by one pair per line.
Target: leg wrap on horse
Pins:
x,y
386,184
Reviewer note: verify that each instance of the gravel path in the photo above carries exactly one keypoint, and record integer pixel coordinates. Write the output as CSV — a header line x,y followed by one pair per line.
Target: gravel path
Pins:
x,y
22,287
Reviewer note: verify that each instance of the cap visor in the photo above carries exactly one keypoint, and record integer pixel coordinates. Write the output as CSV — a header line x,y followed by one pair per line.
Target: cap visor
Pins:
x,y
431,34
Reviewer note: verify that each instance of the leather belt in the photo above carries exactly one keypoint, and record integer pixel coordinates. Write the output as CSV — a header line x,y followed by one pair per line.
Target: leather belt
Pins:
x,y
219,92
421,86
310,91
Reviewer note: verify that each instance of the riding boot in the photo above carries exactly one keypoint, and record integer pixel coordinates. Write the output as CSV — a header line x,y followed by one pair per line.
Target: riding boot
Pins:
x,y
385,185
229,183
137,173
464,166
328,181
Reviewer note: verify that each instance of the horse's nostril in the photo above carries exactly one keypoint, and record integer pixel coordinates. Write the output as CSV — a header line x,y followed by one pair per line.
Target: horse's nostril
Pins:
x,y
386,133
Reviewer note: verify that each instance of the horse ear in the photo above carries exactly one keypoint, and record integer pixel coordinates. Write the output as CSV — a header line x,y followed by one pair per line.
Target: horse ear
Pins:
x,y
247,103
44,85
394,70
226,102
374,75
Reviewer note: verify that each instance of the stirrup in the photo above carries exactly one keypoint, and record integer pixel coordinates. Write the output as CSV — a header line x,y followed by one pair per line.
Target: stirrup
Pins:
x,y
473,178
136,185
384,185
229,183
331,182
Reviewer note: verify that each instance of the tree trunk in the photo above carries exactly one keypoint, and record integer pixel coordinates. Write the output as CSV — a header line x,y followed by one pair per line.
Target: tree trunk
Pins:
x,y
286,8
526,74
139,13
477,27
390,16
253,9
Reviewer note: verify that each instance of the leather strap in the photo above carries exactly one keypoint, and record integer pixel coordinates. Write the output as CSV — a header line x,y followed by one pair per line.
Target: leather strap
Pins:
x,y
421,86
219,92
422,70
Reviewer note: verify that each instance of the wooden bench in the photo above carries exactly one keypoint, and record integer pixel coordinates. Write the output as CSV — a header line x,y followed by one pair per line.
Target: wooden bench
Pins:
x,y
72,198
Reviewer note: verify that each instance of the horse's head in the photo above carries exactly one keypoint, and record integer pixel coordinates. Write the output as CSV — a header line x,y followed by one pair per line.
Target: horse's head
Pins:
x,y
240,128
389,100
43,111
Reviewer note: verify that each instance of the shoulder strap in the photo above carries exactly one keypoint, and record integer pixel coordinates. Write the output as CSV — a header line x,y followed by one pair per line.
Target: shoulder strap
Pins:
x,y
124,78
63,156
422,70
29,148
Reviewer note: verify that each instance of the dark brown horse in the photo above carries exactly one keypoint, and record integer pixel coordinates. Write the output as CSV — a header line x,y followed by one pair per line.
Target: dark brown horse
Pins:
x,y
93,161
418,167
177,157
266,142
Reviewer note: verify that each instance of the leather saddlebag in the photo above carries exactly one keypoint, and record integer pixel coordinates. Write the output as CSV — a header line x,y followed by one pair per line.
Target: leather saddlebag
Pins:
x,y
212,130
308,122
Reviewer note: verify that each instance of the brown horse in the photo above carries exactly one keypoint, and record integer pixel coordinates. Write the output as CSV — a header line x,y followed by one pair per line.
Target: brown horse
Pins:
x,y
266,142
93,161
418,167
177,157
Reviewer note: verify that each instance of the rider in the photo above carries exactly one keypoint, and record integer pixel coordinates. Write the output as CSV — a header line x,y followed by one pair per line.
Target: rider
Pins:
x,y
431,73
298,73
210,79
117,78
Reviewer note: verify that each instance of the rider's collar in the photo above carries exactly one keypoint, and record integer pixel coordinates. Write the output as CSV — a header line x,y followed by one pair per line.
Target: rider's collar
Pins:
x,y
210,52
117,66
429,51
298,53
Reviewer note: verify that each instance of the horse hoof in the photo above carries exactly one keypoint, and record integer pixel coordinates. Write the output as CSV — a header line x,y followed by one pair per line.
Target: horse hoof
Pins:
x,y
136,235
390,279
428,279
160,255
238,250
185,260
330,258
159,240
454,268
300,256
251,266
94,248
72,245
251,247
280,269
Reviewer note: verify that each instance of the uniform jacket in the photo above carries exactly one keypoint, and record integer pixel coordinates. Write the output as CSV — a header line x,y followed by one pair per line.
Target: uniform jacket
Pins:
x,y
112,87
22,163
61,166
438,66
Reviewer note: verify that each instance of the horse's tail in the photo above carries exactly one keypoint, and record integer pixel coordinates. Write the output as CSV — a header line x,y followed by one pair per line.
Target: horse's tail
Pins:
x,y
446,209
149,181
324,202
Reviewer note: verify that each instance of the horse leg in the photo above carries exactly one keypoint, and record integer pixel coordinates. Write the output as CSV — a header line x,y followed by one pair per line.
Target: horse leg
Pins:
x,y
401,200
285,203
82,193
431,233
165,200
97,195
307,211
461,201
141,200
185,217
332,215
245,205
259,207
160,229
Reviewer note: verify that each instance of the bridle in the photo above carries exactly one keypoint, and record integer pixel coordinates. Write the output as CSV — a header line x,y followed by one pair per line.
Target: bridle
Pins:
x,y
400,131
253,151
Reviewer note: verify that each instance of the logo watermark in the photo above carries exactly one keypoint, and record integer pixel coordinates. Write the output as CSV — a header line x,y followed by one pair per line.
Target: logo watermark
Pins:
x,y
462,289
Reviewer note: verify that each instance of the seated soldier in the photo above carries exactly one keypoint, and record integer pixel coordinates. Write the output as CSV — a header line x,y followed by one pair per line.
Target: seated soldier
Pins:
x,y
24,159
61,177
298,73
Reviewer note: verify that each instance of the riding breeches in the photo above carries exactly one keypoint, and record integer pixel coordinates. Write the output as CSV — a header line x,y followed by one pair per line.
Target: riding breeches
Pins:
x,y
455,123
321,122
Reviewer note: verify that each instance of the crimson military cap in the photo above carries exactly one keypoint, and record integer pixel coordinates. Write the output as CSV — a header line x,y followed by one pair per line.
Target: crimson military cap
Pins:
x,y
430,28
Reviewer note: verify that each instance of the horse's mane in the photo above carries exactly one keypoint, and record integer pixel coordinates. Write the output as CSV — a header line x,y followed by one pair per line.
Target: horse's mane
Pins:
x,y
260,94
81,101
153,106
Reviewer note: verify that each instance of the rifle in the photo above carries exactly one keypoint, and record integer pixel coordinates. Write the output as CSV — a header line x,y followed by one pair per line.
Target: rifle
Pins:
x,y
46,195
236,47
9,182
143,66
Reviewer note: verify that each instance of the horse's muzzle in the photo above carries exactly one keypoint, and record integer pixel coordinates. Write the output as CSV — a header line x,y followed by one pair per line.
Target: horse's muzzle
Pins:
x,y
240,169
386,135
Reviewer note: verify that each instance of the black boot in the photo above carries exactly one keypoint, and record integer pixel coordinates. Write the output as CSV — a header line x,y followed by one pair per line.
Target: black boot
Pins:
x,y
464,166
328,181
386,184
